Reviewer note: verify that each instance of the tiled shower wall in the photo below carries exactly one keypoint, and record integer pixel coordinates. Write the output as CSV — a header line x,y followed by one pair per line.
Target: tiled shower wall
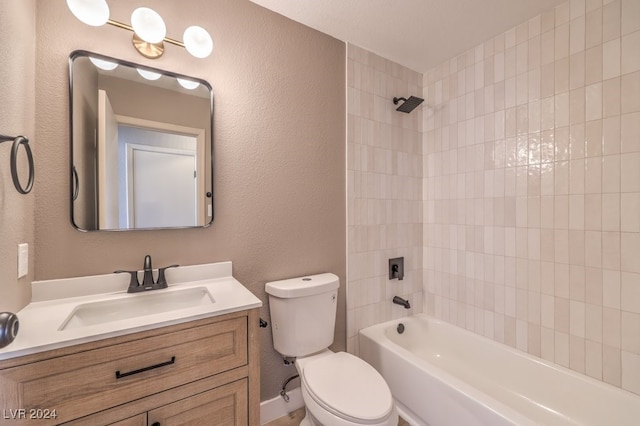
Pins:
x,y
532,181
384,193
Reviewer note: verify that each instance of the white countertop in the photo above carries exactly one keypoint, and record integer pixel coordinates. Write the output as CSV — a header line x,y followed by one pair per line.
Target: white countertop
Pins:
x,y
55,300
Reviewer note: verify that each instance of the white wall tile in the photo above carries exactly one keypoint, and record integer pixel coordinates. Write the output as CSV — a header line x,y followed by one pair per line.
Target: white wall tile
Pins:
x,y
550,190
611,59
611,20
630,52
631,370
385,190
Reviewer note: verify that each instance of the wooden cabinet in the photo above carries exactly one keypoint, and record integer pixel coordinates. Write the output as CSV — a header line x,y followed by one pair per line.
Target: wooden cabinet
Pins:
x,y
183,374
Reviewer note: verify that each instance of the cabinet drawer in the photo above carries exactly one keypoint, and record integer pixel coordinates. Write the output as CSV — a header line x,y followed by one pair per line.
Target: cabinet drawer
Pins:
x,y
87,382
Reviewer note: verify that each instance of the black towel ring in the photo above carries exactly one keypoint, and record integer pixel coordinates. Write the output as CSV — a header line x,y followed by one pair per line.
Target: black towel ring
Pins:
x,y
17,141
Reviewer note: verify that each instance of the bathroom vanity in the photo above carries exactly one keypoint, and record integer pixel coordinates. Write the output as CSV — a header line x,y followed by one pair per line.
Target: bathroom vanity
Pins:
x,y
196,366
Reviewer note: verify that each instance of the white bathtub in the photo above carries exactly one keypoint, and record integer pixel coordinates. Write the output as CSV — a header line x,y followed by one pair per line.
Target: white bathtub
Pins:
x,y
441,374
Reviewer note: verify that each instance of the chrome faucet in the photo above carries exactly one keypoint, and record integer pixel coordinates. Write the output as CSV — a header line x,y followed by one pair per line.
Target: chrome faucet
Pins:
x,y
147,281
402,302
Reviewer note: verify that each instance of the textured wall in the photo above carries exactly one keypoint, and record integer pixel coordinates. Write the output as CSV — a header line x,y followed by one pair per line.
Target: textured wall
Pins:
x,y
279,151
384,195
532,160
17,113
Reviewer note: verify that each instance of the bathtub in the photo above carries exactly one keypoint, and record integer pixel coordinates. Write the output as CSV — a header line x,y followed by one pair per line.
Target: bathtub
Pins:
x,y
440,374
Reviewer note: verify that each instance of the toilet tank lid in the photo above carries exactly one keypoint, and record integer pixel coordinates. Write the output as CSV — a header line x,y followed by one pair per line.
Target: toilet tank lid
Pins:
x,y
303,286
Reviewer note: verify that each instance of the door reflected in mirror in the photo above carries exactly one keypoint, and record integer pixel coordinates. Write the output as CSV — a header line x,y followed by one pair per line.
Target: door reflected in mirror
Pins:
x,y
141,146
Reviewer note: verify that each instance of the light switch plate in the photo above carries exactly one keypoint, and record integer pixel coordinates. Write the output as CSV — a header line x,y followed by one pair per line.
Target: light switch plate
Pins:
x,y
23,259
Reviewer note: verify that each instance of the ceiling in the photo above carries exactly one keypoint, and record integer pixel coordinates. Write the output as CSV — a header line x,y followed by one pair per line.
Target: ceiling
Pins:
x,y
418,34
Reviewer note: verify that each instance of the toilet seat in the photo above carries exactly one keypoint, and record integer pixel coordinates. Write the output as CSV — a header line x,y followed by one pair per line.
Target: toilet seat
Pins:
x,y
349,388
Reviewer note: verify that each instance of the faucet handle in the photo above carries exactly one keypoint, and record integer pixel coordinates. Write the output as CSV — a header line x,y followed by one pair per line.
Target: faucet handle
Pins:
x,y
133,283
162,281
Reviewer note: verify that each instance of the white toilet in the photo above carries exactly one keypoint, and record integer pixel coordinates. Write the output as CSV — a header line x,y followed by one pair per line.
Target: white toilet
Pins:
x,y
338,389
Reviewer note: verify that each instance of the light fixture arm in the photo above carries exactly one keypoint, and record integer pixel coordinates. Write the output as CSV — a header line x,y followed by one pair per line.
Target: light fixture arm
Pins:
x,y
128,27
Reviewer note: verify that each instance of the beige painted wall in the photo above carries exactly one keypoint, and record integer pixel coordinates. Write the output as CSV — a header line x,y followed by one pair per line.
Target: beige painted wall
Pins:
x,y
17,112
279,136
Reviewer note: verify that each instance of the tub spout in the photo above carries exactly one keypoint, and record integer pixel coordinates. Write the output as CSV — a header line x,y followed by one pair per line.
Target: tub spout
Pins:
x,y
402,302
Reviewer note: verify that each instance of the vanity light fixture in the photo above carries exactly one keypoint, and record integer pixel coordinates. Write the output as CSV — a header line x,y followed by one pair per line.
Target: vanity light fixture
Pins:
x,y
148,27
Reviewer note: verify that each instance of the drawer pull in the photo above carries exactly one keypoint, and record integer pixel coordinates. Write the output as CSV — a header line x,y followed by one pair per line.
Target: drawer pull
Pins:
x,y
120,375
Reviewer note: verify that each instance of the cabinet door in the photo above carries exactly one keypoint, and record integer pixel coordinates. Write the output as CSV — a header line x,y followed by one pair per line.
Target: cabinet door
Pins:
x,y
225,405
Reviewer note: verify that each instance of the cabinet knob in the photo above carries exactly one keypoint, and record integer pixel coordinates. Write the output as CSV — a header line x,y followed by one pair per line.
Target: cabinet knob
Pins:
x,y
155,424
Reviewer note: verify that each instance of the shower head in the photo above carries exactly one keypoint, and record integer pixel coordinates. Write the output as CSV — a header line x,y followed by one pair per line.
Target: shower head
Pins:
x,y
409,104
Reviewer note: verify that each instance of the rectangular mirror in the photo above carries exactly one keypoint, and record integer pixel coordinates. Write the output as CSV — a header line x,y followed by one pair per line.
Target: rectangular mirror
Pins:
x,y
141,146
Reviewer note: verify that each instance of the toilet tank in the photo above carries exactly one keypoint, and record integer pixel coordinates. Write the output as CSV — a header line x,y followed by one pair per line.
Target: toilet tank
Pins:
x,y
303,313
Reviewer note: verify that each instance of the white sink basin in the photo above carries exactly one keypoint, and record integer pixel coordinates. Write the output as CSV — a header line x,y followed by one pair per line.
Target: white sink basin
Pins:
x,y
136,305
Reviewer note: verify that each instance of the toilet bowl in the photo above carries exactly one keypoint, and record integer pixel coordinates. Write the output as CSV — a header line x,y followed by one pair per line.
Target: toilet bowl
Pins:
x,y
338,389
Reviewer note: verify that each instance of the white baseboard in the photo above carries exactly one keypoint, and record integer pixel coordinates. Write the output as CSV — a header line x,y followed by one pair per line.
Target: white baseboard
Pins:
x,y
277,407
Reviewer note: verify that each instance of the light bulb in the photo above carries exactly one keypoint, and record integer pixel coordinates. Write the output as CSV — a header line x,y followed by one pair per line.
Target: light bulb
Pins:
x,y
149,75
91,12
198,42
188,84
148,24
103,65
